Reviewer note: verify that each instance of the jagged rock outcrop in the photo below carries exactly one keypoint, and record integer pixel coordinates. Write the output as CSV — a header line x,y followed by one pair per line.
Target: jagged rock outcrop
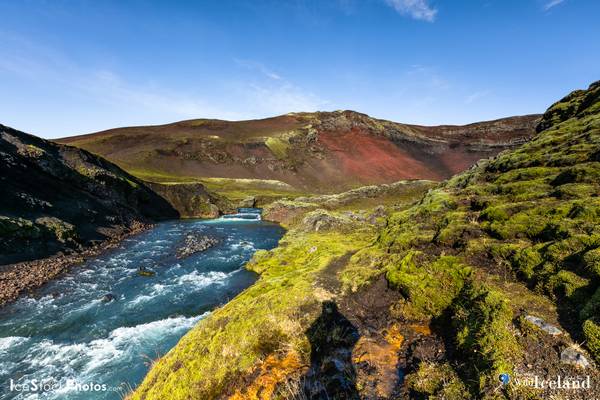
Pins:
x,y
192,200
59,198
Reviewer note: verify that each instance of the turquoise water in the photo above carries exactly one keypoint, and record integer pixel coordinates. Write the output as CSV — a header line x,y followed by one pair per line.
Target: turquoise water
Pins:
x,y
66,342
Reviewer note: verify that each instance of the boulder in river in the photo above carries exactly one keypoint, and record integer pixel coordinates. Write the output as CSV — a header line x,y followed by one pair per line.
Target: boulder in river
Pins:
x,y
142,271
107,298
195,244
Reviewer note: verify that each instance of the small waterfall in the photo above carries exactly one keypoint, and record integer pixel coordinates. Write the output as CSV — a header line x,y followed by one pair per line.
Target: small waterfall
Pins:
x,y
244,213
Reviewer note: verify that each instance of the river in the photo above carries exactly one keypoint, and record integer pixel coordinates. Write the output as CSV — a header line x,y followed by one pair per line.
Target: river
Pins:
x,y
67,342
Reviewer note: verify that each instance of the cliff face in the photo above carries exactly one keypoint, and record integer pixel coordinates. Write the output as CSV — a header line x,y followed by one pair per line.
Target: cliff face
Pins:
x,y
192,200
313,152
60,198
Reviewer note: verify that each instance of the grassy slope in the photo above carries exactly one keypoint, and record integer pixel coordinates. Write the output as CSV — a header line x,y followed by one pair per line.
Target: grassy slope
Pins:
x,y
531,214
514,235
270,316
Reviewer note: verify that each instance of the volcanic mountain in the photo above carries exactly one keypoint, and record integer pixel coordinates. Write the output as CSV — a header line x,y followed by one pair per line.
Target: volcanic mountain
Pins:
x,y
316,152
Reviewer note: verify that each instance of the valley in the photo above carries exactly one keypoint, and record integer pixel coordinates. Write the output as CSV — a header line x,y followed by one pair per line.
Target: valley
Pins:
x,y
416,262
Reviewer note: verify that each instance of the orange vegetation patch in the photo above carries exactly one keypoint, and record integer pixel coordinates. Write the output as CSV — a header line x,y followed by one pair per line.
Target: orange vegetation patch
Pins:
x,y
422,329
374,159
376,361
273,371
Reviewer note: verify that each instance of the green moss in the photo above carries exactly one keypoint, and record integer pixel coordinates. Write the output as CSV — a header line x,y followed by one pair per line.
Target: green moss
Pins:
x,y
482,319
525,174
525,261
582,173
566,284
436,200
429,287
278,146
591,260
591,330
495,214
575,191
438,381
591,307
525,190
362,269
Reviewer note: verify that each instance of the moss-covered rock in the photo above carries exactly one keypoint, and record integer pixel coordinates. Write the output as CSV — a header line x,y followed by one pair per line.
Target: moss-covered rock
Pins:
x,y
591,330
482,318
429,287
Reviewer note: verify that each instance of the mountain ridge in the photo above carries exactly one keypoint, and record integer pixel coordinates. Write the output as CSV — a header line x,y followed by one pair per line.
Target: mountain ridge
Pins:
x,y
321,151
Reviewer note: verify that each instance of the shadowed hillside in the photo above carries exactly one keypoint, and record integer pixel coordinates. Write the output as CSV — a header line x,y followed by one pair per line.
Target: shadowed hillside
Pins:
x,y
314,152
58,198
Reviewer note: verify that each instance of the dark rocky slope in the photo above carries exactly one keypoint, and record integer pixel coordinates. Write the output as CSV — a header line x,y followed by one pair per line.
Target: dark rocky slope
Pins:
x,y
313,152
58,198
192,200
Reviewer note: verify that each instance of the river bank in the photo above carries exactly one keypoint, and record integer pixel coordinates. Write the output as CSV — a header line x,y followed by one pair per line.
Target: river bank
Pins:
x,y
103,322
24,277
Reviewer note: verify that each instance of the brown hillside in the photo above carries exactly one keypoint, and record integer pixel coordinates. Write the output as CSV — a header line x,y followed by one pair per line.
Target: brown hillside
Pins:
x,y
317,152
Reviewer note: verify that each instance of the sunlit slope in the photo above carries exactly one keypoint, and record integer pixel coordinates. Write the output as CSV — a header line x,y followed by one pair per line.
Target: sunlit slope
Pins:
x,y
450,290
312,152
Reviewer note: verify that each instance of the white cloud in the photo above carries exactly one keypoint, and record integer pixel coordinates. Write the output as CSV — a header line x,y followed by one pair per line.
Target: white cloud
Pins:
x,y
259,67
552,3
108,87
113,99
427,76
268,93
283,98
417,9
473,97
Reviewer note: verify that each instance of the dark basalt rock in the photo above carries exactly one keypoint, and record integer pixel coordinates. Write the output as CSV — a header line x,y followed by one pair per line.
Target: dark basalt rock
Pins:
x,y
58,198
195,244
107,298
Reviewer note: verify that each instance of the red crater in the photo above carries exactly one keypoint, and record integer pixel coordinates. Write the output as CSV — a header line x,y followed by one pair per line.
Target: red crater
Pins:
x,y
374,159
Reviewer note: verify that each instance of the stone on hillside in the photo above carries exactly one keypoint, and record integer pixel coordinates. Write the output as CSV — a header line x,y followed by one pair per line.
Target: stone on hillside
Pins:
x,y
248,202
321,220
573,356
543,325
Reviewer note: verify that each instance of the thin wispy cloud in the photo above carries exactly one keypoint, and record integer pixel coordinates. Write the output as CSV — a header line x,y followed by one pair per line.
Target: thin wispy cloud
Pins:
x,y
249,64
552,3
417,9
269,93
473,97
259,93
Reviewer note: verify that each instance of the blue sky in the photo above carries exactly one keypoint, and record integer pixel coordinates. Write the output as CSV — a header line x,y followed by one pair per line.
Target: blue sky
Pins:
x,y
69,67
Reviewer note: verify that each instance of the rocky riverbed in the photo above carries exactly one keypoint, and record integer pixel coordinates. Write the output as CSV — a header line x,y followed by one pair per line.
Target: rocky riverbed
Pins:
x,y
20,278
